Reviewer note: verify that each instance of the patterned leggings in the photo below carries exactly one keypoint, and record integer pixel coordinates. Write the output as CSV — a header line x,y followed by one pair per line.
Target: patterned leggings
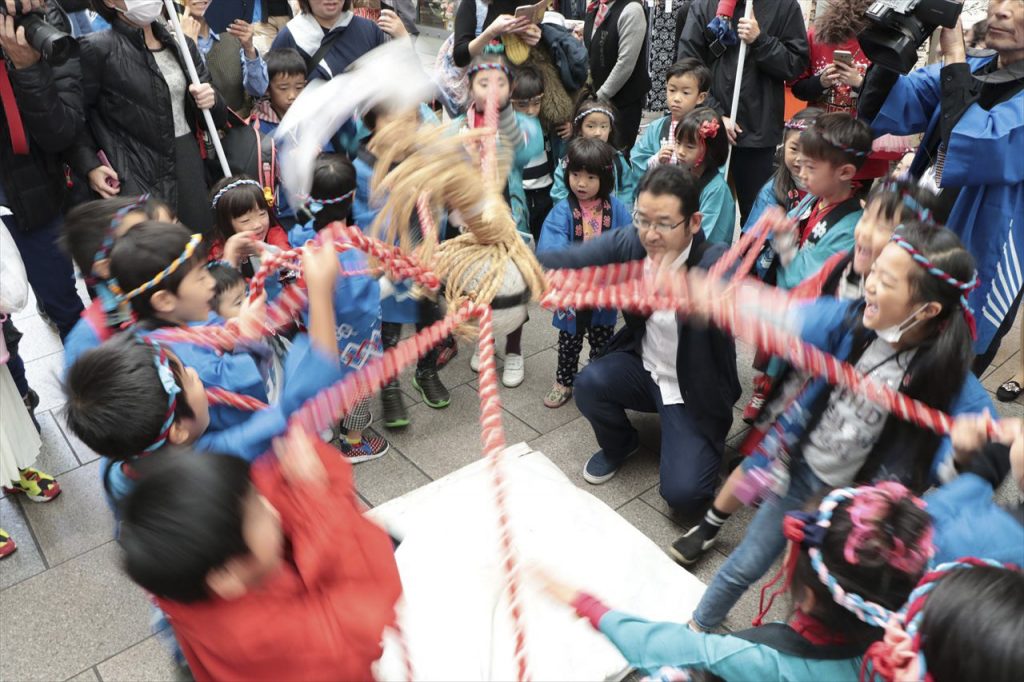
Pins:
x,y
571,345
359,418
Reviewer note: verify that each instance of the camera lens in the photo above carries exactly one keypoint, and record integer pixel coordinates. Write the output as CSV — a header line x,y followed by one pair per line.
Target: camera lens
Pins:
x,y
55,46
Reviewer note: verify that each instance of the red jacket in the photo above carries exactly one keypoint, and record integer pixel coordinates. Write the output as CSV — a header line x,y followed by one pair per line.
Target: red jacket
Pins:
x,y
321,616
276,236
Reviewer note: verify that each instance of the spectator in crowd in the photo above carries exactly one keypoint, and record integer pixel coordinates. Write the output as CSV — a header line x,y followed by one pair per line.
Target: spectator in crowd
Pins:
x,y
237,79
615,33
329,37
42,114
473,33
776,52
266,16
151,146
969,109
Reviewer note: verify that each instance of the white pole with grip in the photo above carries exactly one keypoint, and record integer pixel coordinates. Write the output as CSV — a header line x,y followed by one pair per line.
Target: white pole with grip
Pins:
x,y
193,76
739,81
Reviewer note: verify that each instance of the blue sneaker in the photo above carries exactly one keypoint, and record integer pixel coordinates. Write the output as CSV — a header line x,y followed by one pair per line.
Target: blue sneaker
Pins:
x,y
600,467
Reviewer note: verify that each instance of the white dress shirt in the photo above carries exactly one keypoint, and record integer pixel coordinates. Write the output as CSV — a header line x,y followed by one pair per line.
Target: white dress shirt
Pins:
x,y
661,342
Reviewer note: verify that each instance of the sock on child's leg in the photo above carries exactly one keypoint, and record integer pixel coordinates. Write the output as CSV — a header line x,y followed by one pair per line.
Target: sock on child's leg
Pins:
x,y
713,521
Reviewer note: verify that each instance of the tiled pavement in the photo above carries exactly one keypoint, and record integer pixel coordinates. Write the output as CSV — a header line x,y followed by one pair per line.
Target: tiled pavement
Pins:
x,y
67,613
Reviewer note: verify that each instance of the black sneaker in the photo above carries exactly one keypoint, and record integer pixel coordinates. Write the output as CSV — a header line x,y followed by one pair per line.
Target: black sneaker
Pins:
x,y
395,414
691,547
31,403
430,387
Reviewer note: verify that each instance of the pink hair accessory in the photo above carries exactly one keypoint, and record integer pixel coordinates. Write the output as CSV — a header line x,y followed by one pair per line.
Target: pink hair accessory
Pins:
x,y
866,509
708,129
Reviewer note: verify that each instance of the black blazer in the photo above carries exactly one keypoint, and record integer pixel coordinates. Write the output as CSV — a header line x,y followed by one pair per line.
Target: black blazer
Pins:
x,y
706,357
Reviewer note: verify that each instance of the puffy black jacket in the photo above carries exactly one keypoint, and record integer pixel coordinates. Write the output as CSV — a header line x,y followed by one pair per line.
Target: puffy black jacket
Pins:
x,y
50,103
128,110
779,54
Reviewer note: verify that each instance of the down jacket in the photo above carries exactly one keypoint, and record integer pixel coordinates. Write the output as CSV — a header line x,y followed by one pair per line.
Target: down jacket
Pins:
x,y
128,110
50,103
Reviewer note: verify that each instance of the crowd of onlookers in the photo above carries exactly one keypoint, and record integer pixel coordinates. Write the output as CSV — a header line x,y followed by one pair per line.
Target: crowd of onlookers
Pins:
x,y
901,256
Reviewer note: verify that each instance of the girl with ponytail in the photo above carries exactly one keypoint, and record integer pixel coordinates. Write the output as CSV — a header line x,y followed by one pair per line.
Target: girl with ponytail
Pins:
x,y
854,556
912,332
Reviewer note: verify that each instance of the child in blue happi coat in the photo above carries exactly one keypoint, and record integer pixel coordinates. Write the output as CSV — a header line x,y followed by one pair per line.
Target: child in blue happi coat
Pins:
x,y
702,148
595,117
402,306
590,210
357,300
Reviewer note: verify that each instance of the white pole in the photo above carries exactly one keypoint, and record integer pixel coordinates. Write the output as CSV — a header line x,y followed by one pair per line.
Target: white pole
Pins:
x,y
194,77
739,81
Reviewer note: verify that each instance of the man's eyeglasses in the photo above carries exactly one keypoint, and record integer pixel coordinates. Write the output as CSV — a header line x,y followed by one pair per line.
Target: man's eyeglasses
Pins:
x,y
532,102
641,223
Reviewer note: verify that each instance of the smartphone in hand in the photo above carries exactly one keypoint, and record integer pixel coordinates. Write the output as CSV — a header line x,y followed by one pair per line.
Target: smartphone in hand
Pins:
x,y
111,182
843,57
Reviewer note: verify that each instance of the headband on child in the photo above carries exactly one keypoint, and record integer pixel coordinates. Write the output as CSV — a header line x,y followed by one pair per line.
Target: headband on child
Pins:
x,y
798,123
314,206
230,186
886,657
920,212
170,386
493,47
190,249
111,234
846,150
965,288
594,110
808,530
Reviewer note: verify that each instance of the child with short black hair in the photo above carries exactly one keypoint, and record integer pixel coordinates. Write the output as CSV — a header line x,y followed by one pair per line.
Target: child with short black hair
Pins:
x,y
357,300
595,118
527,95
590,210
269,571
687,84
852,560
228,289
89,232
241,206
831,151
702,148
166,398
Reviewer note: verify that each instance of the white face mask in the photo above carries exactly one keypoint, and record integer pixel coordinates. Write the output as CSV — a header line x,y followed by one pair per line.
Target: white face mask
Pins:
x,y
141,12
893,334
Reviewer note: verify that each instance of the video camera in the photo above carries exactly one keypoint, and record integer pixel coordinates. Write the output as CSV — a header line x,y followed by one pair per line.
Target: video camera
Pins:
x,y
897,28
55,46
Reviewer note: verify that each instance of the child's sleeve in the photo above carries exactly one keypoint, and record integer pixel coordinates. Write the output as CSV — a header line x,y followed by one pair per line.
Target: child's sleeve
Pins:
x,y
649,645
522,134
765,199
559,192
234,371
621,216
972,399
645,149
554,234
625,179
810,258
718,213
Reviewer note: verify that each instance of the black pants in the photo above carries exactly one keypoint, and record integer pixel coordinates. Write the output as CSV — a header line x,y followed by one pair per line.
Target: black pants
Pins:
x,y
193,209
538,205
391,332
750,168
628,124
983,360
571,345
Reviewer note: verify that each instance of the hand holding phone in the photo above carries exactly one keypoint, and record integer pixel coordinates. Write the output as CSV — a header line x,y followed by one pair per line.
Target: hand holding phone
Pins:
x,y
843,57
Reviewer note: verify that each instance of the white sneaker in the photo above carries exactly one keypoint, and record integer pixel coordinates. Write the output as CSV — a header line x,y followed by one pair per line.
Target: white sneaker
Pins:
x,y
514,372
474,362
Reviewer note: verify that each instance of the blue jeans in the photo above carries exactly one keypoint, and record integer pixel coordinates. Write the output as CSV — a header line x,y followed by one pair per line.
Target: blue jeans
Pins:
x,y
49,272
617,382
760,547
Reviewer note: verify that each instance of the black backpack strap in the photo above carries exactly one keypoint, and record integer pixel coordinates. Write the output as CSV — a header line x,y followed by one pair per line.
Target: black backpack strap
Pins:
x,y
325,45
786,640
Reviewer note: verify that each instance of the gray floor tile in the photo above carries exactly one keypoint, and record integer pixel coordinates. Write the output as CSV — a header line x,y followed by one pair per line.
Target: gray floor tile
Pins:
x,y
538,334
56,456
40,340
44,376
571,445
83,452
391,476
88,675
746,609
526,401
441,441
147,660
1009,410
75,522
95,612
26,561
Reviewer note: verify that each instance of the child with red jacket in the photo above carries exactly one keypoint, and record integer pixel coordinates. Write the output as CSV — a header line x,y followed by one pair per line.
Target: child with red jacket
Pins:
x,y
268,572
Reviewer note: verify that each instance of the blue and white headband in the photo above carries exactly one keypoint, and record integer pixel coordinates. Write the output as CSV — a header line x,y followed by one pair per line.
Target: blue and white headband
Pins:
x,y
230,186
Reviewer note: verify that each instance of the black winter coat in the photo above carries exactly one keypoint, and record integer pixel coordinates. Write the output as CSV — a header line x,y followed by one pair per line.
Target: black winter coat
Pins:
x,y
128,110
50,103
779,54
